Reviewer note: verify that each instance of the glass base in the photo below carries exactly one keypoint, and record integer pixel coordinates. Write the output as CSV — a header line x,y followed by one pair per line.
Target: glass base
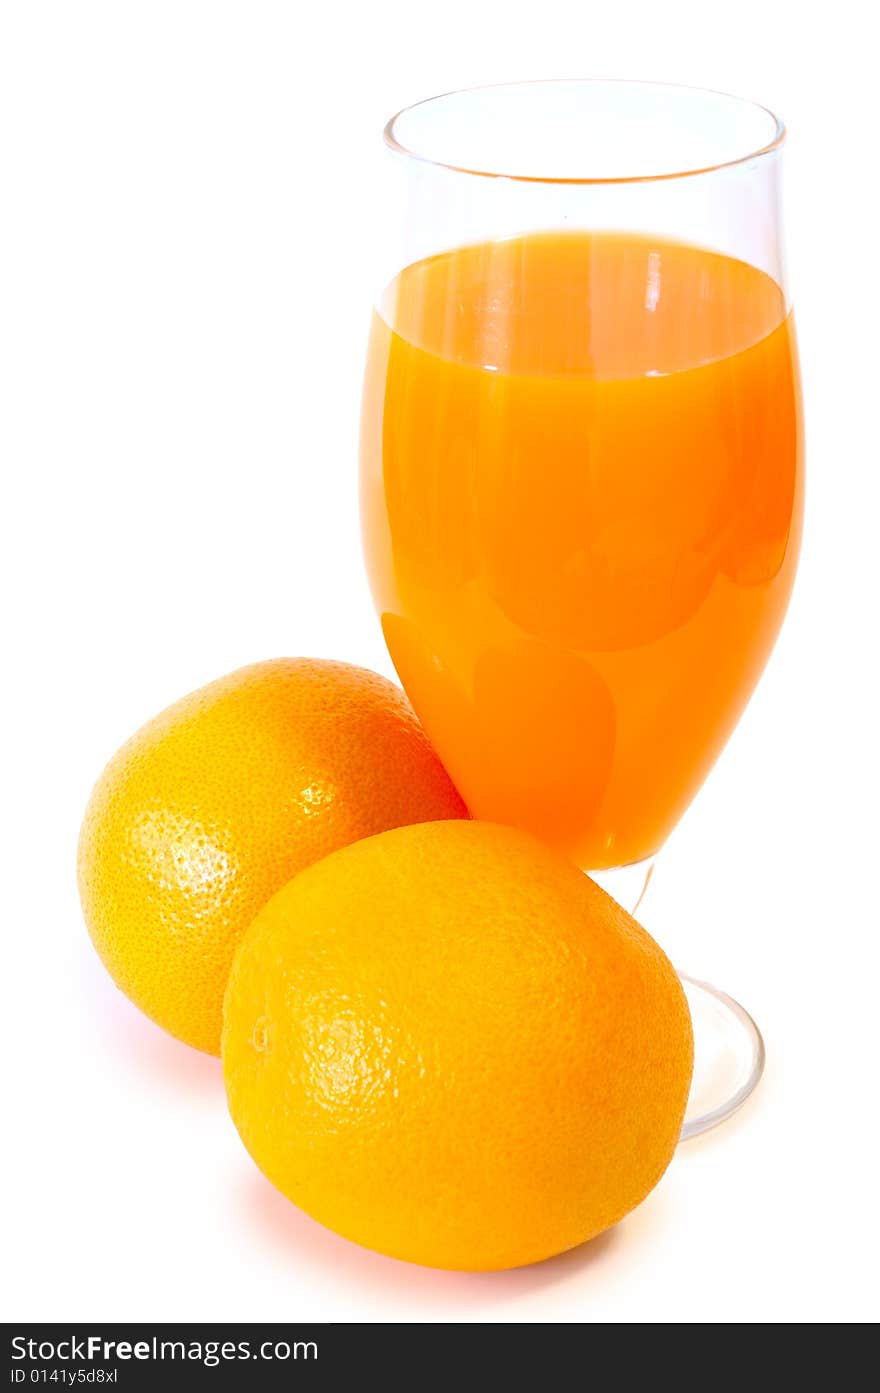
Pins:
x,y
728,1048
728,1057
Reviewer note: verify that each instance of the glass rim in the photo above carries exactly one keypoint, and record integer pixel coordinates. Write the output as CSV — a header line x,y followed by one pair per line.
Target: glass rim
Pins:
x,y
397,147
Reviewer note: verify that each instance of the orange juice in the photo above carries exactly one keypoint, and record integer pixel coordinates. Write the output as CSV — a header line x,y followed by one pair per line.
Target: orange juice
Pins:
x,y
582,496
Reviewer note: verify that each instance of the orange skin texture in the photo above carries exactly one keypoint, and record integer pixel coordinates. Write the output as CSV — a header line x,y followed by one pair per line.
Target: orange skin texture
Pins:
x,y
449,1045
216,803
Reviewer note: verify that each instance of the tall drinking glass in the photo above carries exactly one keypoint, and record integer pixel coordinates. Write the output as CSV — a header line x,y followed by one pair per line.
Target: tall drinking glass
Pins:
x,y
582,464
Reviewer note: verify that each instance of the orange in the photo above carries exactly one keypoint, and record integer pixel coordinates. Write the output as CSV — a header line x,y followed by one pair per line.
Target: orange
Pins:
x,y
448,1044
215,804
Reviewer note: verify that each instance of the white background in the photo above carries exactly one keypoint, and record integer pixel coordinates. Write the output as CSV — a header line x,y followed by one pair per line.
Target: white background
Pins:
x,y
186,281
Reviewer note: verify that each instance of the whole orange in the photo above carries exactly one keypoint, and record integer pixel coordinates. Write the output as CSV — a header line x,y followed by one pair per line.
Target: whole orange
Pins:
x,y
449,1045
214,805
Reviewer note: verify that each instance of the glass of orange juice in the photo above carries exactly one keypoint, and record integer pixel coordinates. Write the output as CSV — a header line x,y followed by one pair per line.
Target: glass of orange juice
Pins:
x,y
582,464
